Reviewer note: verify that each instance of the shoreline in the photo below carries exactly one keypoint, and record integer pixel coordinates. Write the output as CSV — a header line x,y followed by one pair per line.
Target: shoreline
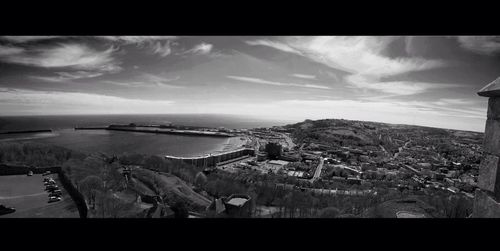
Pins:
x,y
232,144
227,144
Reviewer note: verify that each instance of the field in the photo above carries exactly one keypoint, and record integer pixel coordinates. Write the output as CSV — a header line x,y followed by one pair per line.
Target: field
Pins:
x,y
27,194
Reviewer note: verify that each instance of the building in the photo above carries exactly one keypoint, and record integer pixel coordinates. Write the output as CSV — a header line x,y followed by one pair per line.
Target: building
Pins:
x,y
487,197
234,206
280,163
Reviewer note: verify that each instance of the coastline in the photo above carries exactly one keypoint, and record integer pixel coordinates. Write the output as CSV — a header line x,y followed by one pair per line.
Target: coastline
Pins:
x,y
231,144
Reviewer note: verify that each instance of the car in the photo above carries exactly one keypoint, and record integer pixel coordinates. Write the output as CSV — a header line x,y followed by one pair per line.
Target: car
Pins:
x,y
55,193
6,210
30,173
48,183
51,188
54,199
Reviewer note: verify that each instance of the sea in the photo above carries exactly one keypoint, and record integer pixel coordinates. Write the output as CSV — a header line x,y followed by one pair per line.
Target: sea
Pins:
x,y
117,142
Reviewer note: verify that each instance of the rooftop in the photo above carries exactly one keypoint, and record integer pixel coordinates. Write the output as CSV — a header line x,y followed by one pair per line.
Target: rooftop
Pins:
x,y
278,162
491,90
237,201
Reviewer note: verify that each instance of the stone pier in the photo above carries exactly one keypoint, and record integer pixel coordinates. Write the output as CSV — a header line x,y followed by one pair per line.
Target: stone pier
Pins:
x,y
487,198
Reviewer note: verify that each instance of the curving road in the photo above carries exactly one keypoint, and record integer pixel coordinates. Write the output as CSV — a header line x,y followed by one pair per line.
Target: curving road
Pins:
x,y
317,173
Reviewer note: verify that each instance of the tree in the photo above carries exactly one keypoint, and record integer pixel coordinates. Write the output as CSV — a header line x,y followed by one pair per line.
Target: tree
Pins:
x,y
180,210
200,179
131,159
273,150
156,163
90,186
329,212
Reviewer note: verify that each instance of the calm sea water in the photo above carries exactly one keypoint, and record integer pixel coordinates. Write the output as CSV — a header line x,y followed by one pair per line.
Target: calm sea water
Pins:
x,y
115,142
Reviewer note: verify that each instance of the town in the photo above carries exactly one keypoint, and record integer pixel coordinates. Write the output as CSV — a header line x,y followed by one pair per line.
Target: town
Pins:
x,y
329,160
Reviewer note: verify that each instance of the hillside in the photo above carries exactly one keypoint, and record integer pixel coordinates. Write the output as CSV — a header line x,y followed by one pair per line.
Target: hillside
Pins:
x,y
340,132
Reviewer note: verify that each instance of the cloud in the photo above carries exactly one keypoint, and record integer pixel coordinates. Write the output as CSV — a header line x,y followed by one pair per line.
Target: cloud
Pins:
x,y
74,56
162,49
26,39
363,58
481,44
68,76
267,82
160,45
274,44
201,49
361,55
6,51
29,102
304,76
137,39
148,80
394,87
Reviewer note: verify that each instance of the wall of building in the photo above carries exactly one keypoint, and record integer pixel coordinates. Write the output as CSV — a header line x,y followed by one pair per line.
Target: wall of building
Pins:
x,y
487,197
212,160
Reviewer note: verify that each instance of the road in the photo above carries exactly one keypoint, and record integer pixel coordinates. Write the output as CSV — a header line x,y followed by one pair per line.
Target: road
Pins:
x,y
401,149
317,173
288,140
329,191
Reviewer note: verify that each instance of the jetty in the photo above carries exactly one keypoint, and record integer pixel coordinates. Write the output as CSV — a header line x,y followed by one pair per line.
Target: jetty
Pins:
x,y
25,131
159,130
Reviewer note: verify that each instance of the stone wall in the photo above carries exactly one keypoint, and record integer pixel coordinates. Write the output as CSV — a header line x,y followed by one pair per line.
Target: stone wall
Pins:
x,y
487,198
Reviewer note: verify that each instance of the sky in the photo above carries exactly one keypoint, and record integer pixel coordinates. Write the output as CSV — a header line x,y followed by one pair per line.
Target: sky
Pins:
x,y
420,80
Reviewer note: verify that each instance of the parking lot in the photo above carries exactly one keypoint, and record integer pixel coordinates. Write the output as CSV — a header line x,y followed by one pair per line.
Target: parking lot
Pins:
x,y
28,196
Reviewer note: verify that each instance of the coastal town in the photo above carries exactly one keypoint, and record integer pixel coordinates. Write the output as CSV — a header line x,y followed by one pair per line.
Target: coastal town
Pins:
x,y
326,158
249,127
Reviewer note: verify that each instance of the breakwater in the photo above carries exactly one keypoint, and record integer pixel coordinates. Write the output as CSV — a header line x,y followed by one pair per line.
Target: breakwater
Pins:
x,y
147,129
26,131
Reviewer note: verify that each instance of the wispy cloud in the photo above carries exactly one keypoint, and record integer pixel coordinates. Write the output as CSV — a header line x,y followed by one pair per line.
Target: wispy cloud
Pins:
x,y
29,102
304,76
68,76
201,49
25,39
148,80
73,56
160,45
267,82
138,39
362,57
7,51
481,44
275,44
162,49
395,87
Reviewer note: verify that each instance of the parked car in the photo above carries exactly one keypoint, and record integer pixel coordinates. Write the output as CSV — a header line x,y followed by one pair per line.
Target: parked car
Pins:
x,y
54,199
48,183
6,210
30,173
51,188
55,193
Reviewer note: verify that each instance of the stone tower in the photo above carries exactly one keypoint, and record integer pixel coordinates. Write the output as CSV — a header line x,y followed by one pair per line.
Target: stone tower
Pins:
x,y
487,198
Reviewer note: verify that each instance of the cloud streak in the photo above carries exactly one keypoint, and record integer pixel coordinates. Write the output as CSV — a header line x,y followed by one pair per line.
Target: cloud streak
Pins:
x,y
305,76
73,56
148,80
363,58
201,49
481,44
29,102
267,82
